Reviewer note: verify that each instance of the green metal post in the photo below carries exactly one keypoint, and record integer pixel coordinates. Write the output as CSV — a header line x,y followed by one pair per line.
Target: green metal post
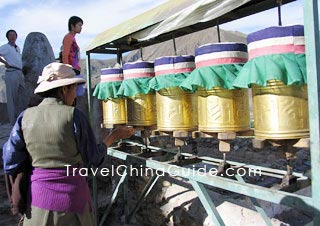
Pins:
x,y
89,90
152,181
207,203
90,111
311,28
256,205
113,198
126,193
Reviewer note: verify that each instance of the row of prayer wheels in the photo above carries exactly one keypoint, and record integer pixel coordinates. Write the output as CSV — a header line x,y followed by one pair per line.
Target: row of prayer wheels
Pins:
x,y
202,93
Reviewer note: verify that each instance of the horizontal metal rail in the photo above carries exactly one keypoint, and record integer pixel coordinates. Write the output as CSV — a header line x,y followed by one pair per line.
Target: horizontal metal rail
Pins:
x,y
264,170
255,191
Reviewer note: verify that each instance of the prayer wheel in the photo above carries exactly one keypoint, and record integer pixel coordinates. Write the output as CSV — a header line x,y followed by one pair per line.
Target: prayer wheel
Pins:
x,y
280,111
176,109
221,109
113,109
280,105
141,108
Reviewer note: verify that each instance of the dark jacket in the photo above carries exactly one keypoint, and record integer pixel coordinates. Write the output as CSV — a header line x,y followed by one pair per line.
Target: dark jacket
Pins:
x,y
18,188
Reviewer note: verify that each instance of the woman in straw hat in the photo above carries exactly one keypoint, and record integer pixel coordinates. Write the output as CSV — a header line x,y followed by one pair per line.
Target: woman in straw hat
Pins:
x,y
58,140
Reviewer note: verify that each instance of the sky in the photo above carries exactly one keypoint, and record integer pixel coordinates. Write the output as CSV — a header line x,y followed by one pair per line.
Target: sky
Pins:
x,y
50,17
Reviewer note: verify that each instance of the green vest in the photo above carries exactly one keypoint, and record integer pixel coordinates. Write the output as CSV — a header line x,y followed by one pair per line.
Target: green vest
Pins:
x,y
49,134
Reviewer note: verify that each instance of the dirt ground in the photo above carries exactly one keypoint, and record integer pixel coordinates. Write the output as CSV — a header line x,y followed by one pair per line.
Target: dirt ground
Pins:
x,y
150,210
6,218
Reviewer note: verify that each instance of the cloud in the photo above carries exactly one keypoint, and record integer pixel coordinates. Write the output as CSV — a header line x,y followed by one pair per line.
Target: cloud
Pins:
x,y
6,3
51,18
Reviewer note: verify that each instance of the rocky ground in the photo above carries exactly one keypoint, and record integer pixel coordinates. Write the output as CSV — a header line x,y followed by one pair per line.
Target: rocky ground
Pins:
x,y
6,219
173,202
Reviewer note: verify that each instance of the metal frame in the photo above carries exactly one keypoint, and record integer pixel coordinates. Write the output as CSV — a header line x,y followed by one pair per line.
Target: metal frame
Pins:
x,y
312,203
198,182
311,23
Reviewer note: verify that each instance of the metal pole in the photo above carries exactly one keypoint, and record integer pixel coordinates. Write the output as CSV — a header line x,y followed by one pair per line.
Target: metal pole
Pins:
x,y
141,53
89,90
119,57
90,111
113,198
152,181
256,205
174,45
279,12
311,31
218,31
207,203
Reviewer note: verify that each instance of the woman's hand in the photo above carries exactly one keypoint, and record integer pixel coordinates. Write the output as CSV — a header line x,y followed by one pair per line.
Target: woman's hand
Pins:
x,y
120,132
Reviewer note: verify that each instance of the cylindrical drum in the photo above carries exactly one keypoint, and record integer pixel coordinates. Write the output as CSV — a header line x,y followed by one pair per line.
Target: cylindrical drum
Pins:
x,y
141,108
176,109
113,109
220,109
114,112
280,111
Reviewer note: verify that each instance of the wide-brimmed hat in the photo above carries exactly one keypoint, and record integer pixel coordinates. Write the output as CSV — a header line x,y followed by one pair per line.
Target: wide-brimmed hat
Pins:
x,y
56,75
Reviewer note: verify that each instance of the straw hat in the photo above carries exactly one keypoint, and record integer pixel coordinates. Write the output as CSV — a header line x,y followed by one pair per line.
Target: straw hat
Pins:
x,y
56,75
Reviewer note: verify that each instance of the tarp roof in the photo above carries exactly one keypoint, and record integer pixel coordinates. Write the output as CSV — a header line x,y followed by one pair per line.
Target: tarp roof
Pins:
x,y
142,21
173,19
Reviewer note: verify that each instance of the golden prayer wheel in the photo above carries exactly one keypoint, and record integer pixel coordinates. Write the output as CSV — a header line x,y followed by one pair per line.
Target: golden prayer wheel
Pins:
x,y
280,111
222,110
114,112
142,110
176,110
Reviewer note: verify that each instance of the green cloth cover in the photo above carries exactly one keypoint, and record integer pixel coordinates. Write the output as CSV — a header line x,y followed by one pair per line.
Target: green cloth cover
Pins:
x,y
132,87
290,68
107,90
212,76
167,81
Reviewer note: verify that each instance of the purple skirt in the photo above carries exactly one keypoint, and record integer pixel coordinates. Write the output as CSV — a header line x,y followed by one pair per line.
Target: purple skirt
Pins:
x,y
53,189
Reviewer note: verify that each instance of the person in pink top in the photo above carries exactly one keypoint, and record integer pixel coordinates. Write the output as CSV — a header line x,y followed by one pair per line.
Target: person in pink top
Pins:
x,y
70,48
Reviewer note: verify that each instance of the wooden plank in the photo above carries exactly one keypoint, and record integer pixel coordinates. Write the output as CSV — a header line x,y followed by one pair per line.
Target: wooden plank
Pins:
x,y
179,142
258,143
199,134
107,126
160,133
227,136
180,133
247,133
302,143
224,146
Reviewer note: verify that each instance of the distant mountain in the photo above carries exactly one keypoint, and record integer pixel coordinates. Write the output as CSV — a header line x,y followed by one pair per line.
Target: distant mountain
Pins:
x,y
185,46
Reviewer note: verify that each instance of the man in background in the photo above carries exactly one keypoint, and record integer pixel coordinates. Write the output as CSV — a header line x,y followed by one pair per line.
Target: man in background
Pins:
x,y
10,56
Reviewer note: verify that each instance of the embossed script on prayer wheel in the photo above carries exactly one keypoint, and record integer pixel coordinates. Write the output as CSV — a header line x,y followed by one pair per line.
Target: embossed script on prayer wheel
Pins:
x,y
280,111
113,108
222,110
141,105
176,110
276,59
142,110
114,111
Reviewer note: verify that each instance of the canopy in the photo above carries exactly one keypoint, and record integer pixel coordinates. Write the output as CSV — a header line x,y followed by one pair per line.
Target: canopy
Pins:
x,y
138,23
174,19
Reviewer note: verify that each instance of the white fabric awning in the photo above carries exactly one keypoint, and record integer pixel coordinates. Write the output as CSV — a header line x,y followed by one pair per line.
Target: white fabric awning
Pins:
x,y
201,11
